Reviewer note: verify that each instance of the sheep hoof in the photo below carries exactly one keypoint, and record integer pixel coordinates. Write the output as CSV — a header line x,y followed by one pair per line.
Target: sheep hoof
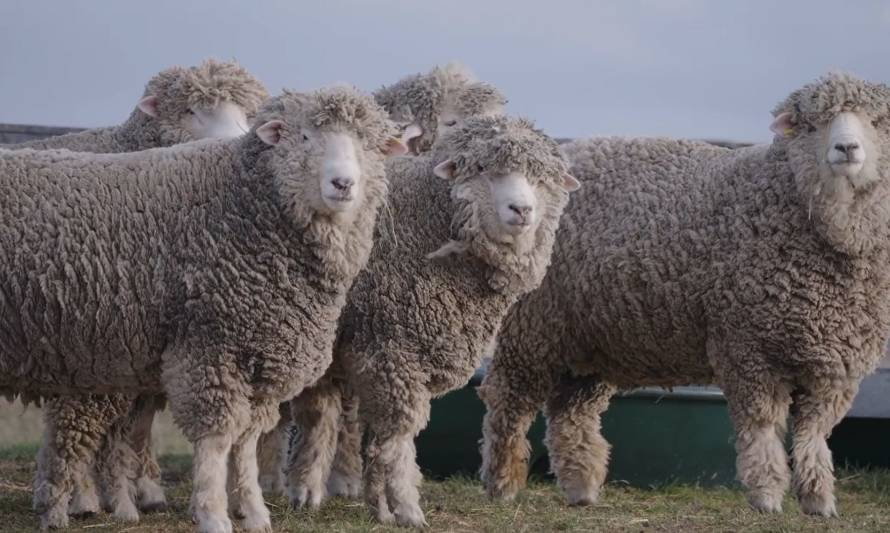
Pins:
x,y
581,498
214,524
302,496
410,516
151,496
342,485
126,512
55,517
819,505
272,484
84,505
765,502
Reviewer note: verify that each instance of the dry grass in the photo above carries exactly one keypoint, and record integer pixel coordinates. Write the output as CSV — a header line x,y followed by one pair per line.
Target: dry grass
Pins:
x,y
459,505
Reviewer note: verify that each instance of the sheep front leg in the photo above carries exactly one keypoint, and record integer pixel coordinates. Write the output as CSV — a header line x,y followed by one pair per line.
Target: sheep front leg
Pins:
x,y
579,454
758,407
815,411
316,415
392,477
209,500
346,472
246,497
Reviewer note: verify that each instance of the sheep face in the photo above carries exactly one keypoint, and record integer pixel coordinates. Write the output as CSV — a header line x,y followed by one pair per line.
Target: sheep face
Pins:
x,y
474,100
328,152
835,133
211,100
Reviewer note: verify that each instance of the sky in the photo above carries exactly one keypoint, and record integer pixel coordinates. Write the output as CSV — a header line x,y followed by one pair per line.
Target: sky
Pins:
x,y
680,68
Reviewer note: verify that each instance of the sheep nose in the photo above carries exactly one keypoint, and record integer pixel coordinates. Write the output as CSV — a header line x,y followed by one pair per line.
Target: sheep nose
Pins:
x,y
342,184
847,149
522,210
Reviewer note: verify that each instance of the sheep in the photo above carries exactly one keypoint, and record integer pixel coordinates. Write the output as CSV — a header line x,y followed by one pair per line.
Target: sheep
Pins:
x,y
417,321
429,105
761,269
425,106
213,272
214,99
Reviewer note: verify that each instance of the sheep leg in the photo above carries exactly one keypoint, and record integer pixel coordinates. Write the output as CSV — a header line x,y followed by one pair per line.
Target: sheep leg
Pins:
x,y
512,400
209,500
271,450
758,408
815,411
346,473
392,477
75,428
579,454
117,474
246,497
316,414
149,493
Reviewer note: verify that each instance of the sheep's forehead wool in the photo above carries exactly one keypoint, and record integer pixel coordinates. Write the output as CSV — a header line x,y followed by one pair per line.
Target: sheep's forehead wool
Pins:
x,y
206,85
339,107
819,102
499,145
477,99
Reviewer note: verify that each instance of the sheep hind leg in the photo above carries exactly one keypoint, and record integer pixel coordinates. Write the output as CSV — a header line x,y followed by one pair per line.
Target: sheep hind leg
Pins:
x,y
271,454
75,429
316,415
117,475
758,407
208,503
815,412
579,454
149,492
345,479
511,402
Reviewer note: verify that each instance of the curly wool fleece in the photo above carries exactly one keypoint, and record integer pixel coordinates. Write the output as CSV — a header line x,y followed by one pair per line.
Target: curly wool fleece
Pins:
x,y
683,263
177,89
418,319
422,99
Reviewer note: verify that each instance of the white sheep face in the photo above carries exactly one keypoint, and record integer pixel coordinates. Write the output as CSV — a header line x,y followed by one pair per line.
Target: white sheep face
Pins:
x,y
848,147
514,202
340,176
225,121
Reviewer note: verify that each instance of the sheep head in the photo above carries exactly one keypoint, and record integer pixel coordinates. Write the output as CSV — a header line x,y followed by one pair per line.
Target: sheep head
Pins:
x,y
836,134
327,151
211,100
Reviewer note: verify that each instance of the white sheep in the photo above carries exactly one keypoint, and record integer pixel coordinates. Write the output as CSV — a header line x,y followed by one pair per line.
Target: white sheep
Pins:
x,y
214,272
761,269
419,318
213,99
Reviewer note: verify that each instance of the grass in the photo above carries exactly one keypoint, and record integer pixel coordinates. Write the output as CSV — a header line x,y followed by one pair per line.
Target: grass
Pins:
x,y
459,505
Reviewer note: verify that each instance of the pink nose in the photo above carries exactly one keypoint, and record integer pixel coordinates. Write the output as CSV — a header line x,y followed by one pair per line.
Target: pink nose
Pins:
x,y
342,184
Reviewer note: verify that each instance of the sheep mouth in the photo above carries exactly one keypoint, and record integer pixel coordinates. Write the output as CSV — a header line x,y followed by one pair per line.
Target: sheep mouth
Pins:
x,y
846,169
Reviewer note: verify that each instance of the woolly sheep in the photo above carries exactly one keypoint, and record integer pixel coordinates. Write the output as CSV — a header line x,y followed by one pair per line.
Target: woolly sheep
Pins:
x,y
418,320
426,106
760,269
430,105
214,99
214,271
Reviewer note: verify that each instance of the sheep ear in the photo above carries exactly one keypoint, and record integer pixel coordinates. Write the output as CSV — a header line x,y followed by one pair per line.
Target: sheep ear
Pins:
x,y
270,132
782,125
412,131
149,106
445,169
570,183
395,146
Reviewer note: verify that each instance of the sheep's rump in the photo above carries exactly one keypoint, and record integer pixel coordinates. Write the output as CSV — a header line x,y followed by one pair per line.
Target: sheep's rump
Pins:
x,y
86,248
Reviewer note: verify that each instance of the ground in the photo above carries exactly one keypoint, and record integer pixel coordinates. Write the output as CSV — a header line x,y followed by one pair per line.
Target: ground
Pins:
x,y
458,505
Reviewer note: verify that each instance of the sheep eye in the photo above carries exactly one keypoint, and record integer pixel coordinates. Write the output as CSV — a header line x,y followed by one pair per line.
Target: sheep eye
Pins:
x,y
189,112
480,168
305,137
450,123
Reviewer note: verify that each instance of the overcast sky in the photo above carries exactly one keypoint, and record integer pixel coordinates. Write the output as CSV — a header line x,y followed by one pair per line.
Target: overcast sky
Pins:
x,y
688,68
